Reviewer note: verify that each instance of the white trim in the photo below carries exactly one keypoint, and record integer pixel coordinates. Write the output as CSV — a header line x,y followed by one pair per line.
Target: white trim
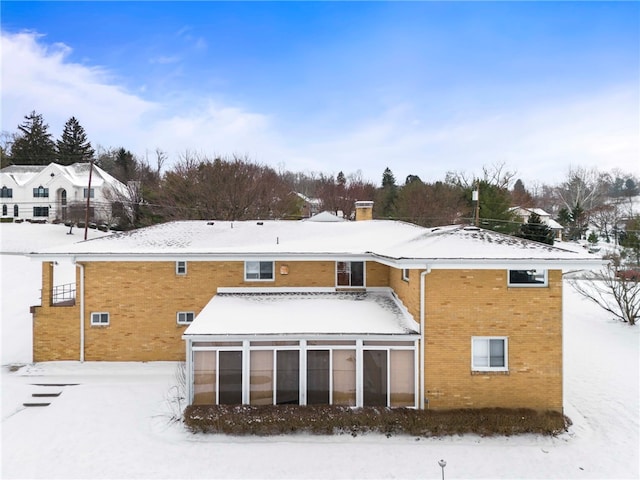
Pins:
x,y
505,368
405,274
100,323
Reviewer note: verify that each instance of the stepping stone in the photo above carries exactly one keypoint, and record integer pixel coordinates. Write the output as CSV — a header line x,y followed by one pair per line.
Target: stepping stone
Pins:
x,y
52,394
55,384
34,404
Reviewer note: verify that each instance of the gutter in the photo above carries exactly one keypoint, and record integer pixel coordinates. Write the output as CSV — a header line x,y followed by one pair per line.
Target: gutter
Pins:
x,y
81,266
423,274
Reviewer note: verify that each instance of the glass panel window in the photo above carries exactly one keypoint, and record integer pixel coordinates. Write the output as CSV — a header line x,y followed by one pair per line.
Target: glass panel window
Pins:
x,y
230,378
6,192
318,377
527,278
258,270
402,378
5,210
374,373
185,318
99,318
181,267
92,193
350,274
15,210
489,353
261,380
40,211
288,377
41,192
344,377
204,378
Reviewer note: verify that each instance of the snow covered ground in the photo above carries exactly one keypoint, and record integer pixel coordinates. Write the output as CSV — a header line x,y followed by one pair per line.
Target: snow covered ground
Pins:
x,y
114,422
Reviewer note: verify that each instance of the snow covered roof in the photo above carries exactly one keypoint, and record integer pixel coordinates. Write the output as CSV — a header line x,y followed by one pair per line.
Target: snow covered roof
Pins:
x,y
21,174
390,242
340,313
77,174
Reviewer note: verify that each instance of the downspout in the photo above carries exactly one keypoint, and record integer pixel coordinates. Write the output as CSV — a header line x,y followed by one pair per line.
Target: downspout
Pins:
x,y
422,339
81,266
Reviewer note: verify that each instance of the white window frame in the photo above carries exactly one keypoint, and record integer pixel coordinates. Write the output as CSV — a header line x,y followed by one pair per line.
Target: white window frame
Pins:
x,y
180,266
99,316
92,192
405,274
544,283
349,271
185,318
482,368
259,262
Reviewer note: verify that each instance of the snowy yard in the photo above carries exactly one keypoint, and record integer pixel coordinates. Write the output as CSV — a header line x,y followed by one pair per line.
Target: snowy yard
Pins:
x,y
114,421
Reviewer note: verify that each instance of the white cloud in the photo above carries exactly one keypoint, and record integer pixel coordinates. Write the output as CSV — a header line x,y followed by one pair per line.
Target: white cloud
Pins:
x,y
539,141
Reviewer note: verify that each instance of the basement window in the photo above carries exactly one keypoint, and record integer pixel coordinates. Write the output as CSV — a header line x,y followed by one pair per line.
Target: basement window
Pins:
x,y
528,278
184,318
99,318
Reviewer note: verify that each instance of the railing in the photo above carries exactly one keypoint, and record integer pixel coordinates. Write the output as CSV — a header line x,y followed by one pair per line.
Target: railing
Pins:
x,y
64,294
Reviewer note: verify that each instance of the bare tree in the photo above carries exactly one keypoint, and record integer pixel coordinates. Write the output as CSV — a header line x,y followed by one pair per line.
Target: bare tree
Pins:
x,y
613,290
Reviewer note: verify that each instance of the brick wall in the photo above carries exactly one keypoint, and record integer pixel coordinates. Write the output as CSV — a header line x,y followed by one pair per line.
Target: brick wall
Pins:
x,y
466,303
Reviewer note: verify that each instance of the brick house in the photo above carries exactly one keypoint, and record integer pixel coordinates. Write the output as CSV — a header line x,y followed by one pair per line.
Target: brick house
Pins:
x,y
320,310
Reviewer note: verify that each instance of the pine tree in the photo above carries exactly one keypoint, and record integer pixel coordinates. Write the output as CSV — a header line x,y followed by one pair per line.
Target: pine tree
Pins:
x,y
388,194
33,144
73,146
535,230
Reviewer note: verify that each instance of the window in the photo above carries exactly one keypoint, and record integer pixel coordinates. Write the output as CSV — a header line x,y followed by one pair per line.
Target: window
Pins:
x,y
5,210
527,278
350,274
41,192
40,211
184,318
258,271
405,274
181,267
99,318
92,193
6,192
489,354
15,210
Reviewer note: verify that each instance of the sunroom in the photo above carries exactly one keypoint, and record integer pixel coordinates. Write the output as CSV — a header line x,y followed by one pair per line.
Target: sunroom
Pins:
x,y
340,348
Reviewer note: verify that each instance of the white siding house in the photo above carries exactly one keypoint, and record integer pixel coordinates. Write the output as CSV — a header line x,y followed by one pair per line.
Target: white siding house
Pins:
x,y
56,192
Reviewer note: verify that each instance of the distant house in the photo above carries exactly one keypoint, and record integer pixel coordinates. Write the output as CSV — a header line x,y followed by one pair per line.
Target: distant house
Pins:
x,y
523,214
56,192
320,311
310,206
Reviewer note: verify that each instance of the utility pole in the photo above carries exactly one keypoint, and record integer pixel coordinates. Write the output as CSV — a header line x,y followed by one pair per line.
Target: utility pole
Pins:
x,y
86,213
475,196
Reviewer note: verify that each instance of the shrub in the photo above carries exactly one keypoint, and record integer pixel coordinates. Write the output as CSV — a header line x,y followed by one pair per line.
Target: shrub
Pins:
x,y
328,420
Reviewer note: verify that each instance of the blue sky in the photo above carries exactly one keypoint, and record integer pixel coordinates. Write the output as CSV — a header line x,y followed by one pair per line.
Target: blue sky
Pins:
x,y
421,87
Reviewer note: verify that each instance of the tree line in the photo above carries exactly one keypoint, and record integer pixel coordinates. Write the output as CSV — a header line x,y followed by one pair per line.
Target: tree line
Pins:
x,y
196,186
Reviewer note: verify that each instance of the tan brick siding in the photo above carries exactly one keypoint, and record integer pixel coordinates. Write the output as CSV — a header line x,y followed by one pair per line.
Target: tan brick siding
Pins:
x,y
466,303
144,297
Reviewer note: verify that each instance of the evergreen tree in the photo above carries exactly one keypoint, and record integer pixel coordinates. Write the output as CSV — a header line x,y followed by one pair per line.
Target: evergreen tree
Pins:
x,y
73,146
33,144
536,230
495,208
388,194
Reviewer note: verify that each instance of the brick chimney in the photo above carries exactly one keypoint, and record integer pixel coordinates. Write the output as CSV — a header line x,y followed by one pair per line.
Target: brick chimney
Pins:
x,y
364,210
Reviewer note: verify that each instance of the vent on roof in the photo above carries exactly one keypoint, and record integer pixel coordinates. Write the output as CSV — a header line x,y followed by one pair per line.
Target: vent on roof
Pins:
x,y
260,223
210,223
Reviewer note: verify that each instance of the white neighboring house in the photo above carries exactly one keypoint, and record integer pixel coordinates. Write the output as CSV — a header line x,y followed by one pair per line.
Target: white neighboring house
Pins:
x,y
58,192
523,213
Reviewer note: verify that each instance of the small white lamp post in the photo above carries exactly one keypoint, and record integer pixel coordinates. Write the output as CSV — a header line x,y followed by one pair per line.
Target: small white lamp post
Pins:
x,y
442,464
